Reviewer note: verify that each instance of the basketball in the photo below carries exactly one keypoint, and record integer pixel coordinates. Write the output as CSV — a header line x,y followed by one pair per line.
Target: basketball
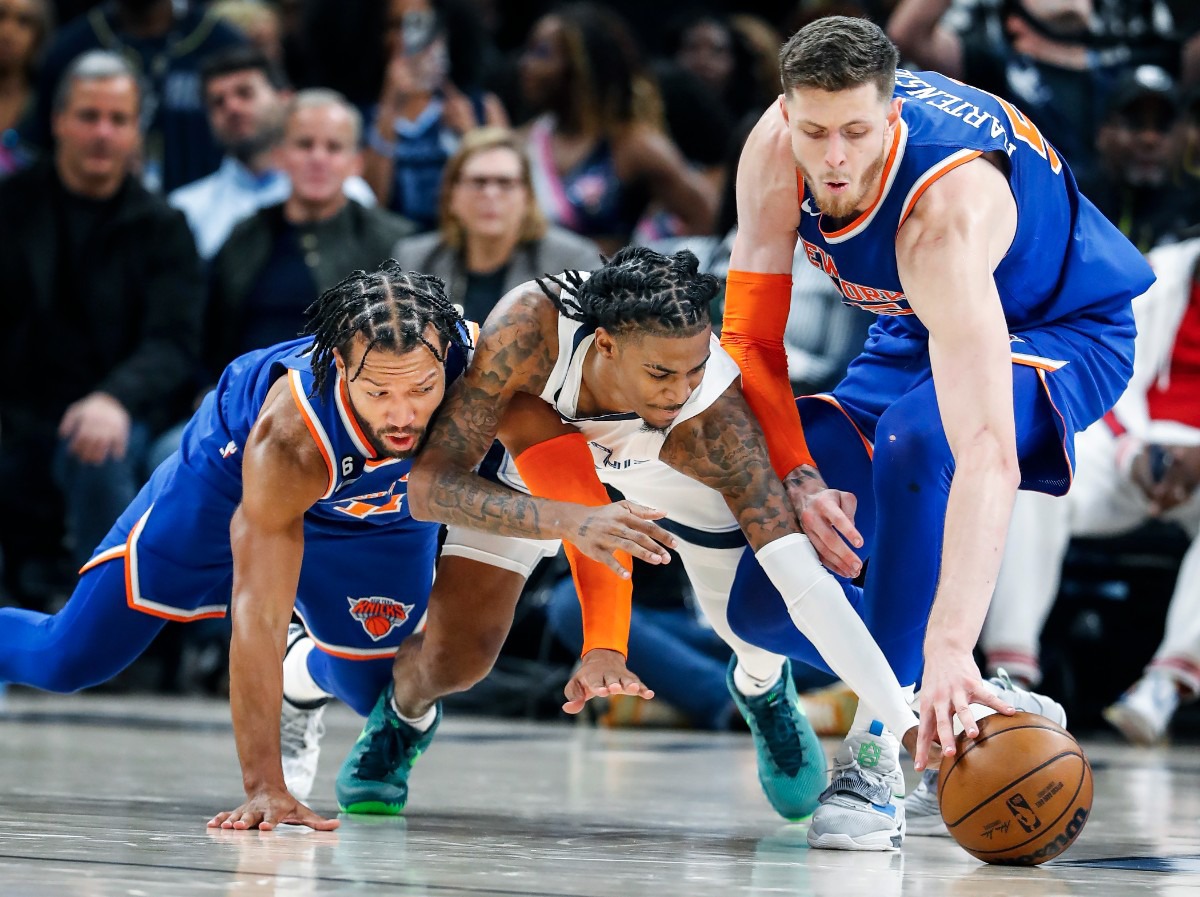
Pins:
x,y
1019,794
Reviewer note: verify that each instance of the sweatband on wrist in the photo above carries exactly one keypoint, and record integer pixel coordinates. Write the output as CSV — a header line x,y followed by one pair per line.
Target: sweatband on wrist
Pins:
x,y
821,612
756,314
563,469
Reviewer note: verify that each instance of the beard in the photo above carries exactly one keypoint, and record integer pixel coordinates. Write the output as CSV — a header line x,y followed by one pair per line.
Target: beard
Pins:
x,y
849,204
378,440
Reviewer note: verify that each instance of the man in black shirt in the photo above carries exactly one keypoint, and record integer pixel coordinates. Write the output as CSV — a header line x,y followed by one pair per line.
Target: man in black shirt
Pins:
x,y
99,318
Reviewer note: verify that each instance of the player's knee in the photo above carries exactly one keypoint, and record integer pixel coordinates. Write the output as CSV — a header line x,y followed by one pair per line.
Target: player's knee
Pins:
x,y
72,670
911,450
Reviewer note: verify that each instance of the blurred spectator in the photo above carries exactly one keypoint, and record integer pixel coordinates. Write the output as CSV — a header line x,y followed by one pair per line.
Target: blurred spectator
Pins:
x,y
1059,82
713,80
491,234
166,47
101,313
1142,461
1139,153
421,112
598,152
1189,154
24,28
247,98
277,262
258,21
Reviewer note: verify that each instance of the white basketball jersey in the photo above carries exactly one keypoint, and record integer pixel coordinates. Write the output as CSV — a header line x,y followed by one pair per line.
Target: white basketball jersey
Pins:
x,y
626,451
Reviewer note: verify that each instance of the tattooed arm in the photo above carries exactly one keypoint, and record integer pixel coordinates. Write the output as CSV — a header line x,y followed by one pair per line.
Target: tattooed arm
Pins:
x,y
724,449
515,355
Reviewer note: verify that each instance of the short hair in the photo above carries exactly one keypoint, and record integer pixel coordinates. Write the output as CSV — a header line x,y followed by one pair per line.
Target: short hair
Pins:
x,y
480,140
94,65
839,53
240,58
638,289
390,308
319,98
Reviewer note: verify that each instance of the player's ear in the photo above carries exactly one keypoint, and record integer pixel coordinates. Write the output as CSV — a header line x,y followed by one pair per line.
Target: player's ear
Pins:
x,y
605,344
339,361
893,116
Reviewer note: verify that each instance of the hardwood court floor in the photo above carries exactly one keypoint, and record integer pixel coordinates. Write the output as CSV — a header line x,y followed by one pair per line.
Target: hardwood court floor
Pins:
x,y
105,796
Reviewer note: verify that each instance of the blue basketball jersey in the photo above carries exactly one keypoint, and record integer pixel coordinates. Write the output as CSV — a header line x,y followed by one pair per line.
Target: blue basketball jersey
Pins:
x,y
1066,261
368,565
362,487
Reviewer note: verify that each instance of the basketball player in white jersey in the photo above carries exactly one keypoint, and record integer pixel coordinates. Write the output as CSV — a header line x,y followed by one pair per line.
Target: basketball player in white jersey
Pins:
x,y
627,357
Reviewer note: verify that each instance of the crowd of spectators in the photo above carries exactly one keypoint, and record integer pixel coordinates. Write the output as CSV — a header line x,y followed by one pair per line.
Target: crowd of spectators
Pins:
x,y
179,179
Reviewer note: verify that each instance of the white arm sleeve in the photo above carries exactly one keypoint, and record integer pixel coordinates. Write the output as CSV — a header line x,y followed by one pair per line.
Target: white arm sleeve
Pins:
x,y
821,612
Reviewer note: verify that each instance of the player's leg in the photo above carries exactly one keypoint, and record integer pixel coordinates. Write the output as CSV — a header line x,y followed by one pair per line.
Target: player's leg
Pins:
x,y
791,763
95,636
479,580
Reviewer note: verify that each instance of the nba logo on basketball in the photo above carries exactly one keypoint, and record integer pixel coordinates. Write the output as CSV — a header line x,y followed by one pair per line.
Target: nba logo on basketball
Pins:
x,y
379,615
1019,807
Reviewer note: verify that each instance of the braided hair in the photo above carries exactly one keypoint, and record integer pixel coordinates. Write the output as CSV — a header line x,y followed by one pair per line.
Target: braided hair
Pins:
x,y
638,289
390,308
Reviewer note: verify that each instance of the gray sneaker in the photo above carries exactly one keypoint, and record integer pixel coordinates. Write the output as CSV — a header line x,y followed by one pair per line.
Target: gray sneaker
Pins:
x,y
1026,700
921,812
862,808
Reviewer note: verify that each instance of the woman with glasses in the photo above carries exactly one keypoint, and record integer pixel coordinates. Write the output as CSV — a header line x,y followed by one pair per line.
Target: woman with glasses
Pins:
x,y
491,234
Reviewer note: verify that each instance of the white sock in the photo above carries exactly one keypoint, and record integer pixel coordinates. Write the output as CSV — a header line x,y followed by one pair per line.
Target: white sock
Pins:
x,y
422,722
299,687
751,686
864,715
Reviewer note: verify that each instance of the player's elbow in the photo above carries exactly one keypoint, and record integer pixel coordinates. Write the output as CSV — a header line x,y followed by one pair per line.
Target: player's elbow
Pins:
x,y
420,491
990,455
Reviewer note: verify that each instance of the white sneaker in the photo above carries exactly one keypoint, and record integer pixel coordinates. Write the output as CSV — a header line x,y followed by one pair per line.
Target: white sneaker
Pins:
x,y
300,731
1029,701
922,815
862,808
1143,713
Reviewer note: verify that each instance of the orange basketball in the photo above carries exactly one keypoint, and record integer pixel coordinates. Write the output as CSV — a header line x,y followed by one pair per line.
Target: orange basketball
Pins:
x,y
1019,794
378,626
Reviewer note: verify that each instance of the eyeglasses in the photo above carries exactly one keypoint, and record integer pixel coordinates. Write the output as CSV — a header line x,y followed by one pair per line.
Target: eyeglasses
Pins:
x,y
481,182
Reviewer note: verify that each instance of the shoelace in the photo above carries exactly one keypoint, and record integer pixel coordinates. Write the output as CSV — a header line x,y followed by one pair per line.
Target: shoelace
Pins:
x,y
777,724
385,750
294,731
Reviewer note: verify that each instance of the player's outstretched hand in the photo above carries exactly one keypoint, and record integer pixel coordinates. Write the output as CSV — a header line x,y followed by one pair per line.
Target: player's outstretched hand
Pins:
x,y
267,809
621,526
602,673
949,686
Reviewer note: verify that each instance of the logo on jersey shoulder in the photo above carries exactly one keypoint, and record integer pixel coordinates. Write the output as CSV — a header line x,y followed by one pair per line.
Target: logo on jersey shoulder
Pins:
x,y
379,615
229,449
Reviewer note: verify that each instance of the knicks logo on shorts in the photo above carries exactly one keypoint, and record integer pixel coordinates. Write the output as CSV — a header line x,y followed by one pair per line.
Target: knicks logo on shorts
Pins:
x,y
379,615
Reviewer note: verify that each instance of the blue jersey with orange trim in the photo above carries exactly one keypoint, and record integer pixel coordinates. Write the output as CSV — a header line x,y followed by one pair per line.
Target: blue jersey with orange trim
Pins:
x,y
362,488
1066,260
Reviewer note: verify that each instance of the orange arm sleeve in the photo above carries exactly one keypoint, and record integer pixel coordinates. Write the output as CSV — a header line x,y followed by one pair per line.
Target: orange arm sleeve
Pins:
x,y
562,469
756,313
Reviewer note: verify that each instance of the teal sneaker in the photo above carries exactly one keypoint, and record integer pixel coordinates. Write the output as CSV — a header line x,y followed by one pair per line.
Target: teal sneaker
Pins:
x,y
791,763
374,777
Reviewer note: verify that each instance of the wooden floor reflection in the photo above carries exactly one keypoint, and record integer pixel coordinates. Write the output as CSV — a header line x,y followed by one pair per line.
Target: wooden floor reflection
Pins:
x,y
108,796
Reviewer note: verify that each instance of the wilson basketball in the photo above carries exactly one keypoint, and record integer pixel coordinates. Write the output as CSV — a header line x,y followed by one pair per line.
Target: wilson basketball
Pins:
x,y
1019,794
